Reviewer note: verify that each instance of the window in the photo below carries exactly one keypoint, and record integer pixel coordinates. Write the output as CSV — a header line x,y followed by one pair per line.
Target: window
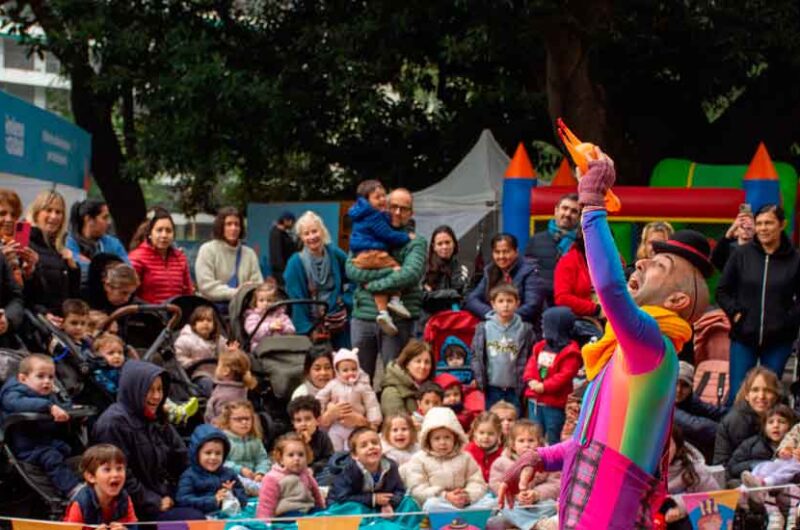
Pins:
x,y
16,55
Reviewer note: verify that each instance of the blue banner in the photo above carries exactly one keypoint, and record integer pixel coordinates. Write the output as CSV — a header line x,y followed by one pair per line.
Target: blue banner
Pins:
x,y
42,145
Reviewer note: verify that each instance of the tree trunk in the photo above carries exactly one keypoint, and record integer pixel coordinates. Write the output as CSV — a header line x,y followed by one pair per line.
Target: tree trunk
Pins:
x,y
92,112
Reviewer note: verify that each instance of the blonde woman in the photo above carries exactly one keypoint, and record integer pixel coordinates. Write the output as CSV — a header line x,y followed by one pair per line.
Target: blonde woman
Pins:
x,y
317,271
652,232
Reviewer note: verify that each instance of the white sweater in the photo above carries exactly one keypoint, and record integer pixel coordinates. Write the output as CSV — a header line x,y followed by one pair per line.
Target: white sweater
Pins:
x,y
214,267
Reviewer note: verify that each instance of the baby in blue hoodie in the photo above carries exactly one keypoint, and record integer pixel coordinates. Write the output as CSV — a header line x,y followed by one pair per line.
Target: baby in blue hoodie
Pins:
x,y
206,484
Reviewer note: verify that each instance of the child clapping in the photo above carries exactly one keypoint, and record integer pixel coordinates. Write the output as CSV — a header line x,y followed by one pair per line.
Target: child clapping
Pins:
x,y
208,485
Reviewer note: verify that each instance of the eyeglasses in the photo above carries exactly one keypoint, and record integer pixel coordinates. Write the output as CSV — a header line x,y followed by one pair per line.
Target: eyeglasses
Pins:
x,y
242,419
398,208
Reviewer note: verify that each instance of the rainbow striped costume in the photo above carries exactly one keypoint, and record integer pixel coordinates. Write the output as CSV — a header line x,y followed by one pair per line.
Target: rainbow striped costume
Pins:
x,y
609,466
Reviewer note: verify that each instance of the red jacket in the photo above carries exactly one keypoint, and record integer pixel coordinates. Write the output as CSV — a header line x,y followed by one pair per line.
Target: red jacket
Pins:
x,y
465,416
558,383
572,286
482,458
161,278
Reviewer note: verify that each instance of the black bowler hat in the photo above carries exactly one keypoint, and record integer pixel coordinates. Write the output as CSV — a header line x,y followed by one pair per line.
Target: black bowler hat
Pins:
x,y
690,245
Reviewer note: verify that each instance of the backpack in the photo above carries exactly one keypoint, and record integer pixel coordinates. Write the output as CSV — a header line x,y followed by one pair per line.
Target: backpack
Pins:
x,y
712,382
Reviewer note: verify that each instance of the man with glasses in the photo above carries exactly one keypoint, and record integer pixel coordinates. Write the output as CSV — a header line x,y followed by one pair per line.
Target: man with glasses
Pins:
x,y
365,334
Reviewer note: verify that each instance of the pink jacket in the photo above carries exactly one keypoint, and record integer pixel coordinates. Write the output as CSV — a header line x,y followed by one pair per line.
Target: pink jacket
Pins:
x,y
283,492
252,317
360,395
161,278
547,485
191,347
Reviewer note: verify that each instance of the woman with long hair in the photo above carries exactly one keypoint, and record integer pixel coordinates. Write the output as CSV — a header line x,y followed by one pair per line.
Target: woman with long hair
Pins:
x,y
445,280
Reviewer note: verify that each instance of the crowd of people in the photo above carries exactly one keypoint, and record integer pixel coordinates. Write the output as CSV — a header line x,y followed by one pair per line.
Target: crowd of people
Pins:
x,y
383,422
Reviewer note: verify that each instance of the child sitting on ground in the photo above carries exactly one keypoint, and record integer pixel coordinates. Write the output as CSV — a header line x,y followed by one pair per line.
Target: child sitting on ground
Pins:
x,y
429,395
454,398
39,443
371,238
399,438
441,477
304,413
277,322
455,359
550,370
368,477
762,468
500,348
207,485
350,385
75,325
486,441
232,380
102,500
199,340
289,489
507,414
540,498
247,458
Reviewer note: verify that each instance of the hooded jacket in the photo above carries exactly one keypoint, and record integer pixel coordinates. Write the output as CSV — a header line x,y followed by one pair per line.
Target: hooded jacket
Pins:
x,y
162,277
429,475
359,393
372,229
765,290
399,391
561,369
198,486
464,372
156,453
18,397
740,423
525,277
355,484
517,336
283,492
572,286
464,415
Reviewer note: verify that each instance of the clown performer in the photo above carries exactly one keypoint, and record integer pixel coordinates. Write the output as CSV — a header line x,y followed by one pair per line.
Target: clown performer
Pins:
x,y
614,467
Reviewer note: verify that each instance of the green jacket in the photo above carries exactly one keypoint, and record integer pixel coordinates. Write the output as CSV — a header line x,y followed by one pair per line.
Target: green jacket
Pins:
x,y
407,280
399,392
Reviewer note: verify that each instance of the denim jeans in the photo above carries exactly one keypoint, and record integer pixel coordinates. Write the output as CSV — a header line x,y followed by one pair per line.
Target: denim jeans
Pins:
x,y
495,394
550,418
367,336
743,358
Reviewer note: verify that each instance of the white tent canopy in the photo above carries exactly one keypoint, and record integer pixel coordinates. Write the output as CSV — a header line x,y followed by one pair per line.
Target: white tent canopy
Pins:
x,y
471,191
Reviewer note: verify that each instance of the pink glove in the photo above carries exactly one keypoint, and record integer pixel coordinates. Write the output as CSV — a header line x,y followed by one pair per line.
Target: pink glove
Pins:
x,y
596,182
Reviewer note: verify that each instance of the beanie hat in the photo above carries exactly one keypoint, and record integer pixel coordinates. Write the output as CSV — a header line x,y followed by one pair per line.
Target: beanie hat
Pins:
x,y
346,355
686,373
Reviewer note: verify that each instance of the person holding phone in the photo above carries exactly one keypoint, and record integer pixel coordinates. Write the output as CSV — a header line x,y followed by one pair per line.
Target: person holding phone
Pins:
x,y
741,232
14,238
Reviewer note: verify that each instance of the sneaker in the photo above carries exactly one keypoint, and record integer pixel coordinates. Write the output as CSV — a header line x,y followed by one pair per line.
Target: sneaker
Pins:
x,y
396,306
751,481
179,414
384,320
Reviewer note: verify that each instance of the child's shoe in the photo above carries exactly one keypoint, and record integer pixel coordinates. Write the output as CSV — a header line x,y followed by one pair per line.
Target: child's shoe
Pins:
x,y
396,306
179,414
752,481
386,324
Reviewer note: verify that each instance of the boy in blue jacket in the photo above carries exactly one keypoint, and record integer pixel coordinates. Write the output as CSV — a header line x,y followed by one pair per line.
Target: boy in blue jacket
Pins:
x,y
38,443
368,477
207,482
371,238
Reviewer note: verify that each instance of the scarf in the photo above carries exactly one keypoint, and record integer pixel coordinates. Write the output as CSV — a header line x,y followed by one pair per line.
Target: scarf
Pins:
x,y
563,238
87,247
318,271
597,354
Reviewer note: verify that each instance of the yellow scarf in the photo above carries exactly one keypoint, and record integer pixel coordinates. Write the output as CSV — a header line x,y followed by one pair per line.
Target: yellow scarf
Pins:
x,y
596,355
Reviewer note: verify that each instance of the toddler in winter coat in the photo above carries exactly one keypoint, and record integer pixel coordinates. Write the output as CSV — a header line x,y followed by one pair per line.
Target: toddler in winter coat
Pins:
x,y
455,359
548,376
368,477
199,340
500,348
289,489
350,385
453,398
111,351
277,322
441,477
371,238
102,500
399,438
75,324
763,469
232,380
208,485
540,498
486,441
247,458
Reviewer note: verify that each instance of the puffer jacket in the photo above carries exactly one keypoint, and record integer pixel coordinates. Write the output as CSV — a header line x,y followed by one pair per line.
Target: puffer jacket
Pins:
x,y
572,286
359,394
546,485
558,383
198,486
519,333
191,347
53,280
754,450
17,397
161,278
355,484
399,391
739,424
283,492
372,229
428,475
246,451
525,277
765,289
156,453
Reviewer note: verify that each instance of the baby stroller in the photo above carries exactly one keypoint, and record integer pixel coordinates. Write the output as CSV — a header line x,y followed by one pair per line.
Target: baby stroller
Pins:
x,y
277,361
455,329
17,477
187,305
